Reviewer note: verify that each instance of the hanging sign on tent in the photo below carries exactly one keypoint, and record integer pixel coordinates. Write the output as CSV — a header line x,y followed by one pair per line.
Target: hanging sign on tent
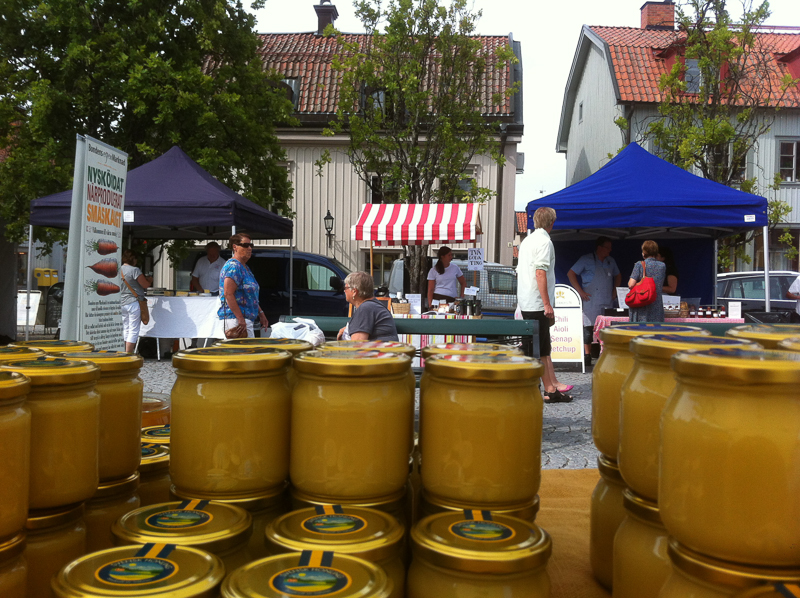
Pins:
x,y
474,259
92,311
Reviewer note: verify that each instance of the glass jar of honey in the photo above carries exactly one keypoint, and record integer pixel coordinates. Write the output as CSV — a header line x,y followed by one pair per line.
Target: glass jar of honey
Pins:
x,y
766,335
230,421
120,390
382,346
394,504
13,567
611,371
157,434
606,514
292,345
526,511
112,501
65,422
730,449
478,553
641,564
469,349
152,570
155,409
216,527
55,539
644,395
12,353
352,425
365,533
700,576
481,429
154,481
55,347
15,446
309,573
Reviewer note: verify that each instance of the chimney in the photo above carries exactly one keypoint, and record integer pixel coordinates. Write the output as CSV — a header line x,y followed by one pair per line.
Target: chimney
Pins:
x,y
326,15
658,15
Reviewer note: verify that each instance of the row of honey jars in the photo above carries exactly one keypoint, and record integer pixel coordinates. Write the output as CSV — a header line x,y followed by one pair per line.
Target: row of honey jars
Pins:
x,y
15,442
730,448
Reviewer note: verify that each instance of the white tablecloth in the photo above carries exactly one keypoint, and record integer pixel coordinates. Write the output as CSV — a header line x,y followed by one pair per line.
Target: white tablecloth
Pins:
x,y
183,317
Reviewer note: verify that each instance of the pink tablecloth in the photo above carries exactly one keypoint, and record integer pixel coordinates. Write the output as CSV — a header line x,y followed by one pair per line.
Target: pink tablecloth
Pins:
x,y
603,321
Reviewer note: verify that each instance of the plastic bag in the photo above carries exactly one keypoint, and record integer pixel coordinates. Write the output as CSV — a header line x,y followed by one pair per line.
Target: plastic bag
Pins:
x,y
302,329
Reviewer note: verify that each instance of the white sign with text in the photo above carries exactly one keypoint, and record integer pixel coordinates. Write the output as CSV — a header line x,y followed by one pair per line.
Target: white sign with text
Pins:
x,y
475,259
566,335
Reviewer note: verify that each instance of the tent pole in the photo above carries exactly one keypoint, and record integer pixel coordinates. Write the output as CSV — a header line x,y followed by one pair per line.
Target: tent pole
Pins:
x,y
291,271
233,230
766,270
714,267
371,267
28,282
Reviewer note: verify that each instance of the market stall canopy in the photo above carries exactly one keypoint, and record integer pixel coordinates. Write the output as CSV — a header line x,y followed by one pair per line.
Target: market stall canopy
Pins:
x,y
172,197
418,224
639,195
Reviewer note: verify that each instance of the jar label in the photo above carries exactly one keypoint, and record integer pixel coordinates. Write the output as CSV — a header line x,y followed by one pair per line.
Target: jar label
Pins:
x,y
330,519
149,565
313,577
97,355
478,525
159,432
189,514
44,362
148,449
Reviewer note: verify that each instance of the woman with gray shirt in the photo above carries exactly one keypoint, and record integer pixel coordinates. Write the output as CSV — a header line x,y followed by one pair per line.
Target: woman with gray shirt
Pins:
x,y
131,315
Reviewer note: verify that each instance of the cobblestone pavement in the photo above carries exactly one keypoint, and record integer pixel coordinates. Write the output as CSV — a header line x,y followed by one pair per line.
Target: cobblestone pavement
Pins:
x,y
567,427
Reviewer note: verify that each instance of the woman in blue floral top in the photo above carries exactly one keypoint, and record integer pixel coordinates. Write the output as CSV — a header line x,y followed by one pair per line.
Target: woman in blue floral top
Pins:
x,y
238,289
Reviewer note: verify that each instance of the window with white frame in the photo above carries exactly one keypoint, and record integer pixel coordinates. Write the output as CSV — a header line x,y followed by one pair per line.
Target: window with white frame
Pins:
x,y
789,160
381,191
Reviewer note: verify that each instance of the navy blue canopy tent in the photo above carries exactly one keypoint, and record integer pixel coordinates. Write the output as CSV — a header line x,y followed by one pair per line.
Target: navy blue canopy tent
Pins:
x,y
172,197
638,196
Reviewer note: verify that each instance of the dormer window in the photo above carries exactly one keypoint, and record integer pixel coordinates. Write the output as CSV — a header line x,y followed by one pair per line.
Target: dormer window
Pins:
x,y
292,88
692,75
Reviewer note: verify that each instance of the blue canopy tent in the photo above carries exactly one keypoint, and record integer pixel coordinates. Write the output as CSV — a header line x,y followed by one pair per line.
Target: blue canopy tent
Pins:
x,y
638,196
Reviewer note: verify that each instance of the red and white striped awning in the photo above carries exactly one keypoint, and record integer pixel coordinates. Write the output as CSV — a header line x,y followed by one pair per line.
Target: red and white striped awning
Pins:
x,y
418,224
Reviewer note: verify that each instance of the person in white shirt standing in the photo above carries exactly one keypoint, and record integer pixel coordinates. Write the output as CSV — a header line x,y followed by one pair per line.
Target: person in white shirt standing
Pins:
x,y
794,293
444,278
536,285
206,272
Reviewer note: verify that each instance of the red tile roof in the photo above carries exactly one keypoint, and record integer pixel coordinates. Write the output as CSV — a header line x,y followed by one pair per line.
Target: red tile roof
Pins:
x,y
308,56
522,222
637,58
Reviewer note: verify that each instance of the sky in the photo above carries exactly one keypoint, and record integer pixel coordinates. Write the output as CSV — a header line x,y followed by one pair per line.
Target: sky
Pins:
x,y
548,32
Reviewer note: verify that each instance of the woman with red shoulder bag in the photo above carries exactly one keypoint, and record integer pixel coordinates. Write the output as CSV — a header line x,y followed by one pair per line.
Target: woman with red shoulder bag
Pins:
x,y
644,299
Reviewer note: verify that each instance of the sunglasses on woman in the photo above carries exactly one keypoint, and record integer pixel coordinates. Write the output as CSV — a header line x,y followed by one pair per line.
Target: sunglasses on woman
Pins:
x,y
246,245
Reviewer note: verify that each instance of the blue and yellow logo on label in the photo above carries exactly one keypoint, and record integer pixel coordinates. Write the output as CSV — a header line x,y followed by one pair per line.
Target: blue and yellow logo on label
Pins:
x,y
160,432
149,565
148,450
335,524
179,519
478,525
314,576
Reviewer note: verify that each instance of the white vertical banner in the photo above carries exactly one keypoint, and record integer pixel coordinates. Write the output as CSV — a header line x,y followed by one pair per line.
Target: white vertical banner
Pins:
x,y
93,284
566,335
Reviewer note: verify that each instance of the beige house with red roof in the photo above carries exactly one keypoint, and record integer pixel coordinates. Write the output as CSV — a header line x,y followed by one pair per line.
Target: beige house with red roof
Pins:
x,y
615,73
305,62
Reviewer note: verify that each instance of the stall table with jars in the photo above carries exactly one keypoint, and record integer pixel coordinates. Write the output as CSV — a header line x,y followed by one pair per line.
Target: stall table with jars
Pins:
x,y
606,321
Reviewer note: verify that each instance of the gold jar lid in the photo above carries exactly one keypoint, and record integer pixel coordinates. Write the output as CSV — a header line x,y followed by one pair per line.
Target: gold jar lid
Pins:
x,y
641,507
382,346
773,590
292,345
609,469
391,503
740,365
251,502
484,367
12,548
51,371
351,363
622,334
664,346
44,518
768,335
526,510
155,457
480,542
309,573
55,347
12,353
156,434
790,344
108,361
469,349
115,488
152,570
13,386
370,534
231,360
209,525
714,571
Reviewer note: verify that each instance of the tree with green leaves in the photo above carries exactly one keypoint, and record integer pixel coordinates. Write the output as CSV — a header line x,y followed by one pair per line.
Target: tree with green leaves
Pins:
x,y
413,102
720,99
141,75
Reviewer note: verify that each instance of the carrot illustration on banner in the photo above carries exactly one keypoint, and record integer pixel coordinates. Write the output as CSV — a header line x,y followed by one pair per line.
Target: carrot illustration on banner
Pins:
x,y
102,246
101,287
107,267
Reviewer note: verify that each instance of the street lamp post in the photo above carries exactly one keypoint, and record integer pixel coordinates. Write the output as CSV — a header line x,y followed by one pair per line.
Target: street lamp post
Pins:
x,y
328,220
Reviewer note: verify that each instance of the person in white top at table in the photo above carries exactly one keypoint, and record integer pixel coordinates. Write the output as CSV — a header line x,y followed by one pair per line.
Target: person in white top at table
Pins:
x,y
794,293
206,272
444,278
